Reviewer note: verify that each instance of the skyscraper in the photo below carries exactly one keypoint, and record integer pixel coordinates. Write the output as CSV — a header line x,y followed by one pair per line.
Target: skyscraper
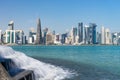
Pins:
x,y
44,35
80,32
86,30
11,25
73,34
92,33
39,33
107,36
102,35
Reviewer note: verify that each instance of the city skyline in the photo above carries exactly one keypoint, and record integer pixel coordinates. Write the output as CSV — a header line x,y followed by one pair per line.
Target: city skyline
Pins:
x,y
81,35
60,15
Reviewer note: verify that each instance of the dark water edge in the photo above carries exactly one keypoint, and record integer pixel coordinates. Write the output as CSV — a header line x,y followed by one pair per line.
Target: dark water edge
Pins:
x,y
84,71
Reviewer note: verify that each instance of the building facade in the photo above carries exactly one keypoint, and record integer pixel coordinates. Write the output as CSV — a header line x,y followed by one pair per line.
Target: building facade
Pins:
x,y
107,36
39,33
92,33
102,35
11,25
49,38
73,35
14,36
80,32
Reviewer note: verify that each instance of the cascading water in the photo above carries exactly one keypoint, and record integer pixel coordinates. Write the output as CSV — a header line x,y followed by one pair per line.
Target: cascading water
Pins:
x,y
42,71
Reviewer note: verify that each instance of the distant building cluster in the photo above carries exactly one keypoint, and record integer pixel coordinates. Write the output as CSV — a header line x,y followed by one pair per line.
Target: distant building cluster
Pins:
x,y
80,35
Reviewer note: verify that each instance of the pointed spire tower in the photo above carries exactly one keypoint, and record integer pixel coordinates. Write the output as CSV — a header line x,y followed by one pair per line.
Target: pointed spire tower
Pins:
x,y
39,33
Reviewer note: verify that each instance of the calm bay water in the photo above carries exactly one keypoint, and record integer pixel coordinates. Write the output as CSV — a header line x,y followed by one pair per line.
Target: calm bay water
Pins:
x,y
89,62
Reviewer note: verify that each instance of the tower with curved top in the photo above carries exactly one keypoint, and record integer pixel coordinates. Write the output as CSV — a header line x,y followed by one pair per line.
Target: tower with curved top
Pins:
x,y
39,33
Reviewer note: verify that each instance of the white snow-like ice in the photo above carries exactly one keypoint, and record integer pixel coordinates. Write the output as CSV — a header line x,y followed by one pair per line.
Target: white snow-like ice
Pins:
x,y
42,71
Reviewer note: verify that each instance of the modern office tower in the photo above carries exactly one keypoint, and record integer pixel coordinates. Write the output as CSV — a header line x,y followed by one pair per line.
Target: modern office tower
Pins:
x,y
118,43
30,40
118,40
44,35
49,38
107,36
57,39
102,35
19,36
10,36
73,35
14,36
39,33
86,30
11,25
98,38
80,32
32,37
92,33
24,40
115,38
63,37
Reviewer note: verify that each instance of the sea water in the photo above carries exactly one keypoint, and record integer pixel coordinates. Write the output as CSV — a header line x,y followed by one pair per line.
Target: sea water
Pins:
x,y
42,71
88,62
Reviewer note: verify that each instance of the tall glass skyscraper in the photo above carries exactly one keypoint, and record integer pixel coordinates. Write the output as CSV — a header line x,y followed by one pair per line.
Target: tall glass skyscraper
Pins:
x,y
92,33
80,32
102,35
11,25
39,33
86,30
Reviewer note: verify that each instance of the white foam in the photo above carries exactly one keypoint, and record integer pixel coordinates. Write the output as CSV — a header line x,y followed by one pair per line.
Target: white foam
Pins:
x,y
42,71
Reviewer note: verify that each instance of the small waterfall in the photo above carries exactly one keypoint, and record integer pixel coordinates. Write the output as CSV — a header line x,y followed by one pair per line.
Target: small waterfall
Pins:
x,y
42,71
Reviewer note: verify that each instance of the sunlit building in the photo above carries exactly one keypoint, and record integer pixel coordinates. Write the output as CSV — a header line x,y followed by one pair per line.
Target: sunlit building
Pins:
x,y
107,36
73,35
80,32
11,25
49,38
14,36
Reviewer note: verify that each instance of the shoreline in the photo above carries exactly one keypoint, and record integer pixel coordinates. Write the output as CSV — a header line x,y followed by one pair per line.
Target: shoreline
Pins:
x,y
59,45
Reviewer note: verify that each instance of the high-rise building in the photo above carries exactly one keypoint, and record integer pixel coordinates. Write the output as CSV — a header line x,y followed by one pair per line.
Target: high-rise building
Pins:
x,y
44,35
49,38
86,30
102,35
14,36
92,33
10,36
115,38
98,38
39,33
32,37
63,37
80,32
24,40
73,35
19,36
107,36
118,41
11,25
57,39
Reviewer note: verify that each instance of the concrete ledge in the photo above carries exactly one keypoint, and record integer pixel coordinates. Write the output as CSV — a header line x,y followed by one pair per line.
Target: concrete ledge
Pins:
x,y
25,75
4,74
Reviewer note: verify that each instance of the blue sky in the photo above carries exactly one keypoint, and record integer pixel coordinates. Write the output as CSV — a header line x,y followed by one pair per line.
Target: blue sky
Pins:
x,y
60,15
